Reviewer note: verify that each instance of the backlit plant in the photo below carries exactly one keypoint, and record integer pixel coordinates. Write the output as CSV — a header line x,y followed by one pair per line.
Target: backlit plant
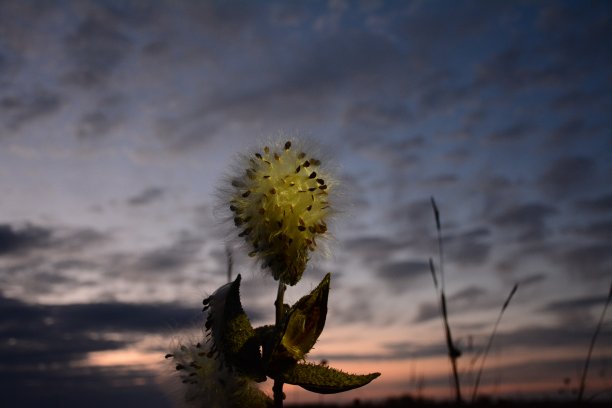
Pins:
x,y
279,199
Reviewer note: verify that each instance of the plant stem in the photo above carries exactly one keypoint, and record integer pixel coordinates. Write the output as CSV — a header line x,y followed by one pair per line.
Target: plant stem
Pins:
x,y
488,347
591,346
279,304
453,352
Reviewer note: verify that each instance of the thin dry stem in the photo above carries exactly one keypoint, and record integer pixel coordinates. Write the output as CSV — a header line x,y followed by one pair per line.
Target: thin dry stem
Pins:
x,y
453,352
490,342
591,346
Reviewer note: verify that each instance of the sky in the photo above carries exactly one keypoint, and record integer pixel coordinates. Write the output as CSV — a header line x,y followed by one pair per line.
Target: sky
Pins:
x,y
119,120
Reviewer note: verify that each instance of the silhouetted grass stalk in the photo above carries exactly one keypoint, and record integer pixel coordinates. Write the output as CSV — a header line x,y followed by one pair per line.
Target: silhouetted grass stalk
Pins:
x,y
591,346
490,342
453,352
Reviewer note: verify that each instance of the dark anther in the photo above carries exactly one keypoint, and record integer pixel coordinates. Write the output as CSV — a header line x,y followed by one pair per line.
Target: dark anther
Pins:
x,y
287,145
169,355
312,189
245,232
298,168
266,149
180,367
306,163
301,155
312,175
315,162
258,156
246,193
301,228
309,208
238,221
320,181
323,187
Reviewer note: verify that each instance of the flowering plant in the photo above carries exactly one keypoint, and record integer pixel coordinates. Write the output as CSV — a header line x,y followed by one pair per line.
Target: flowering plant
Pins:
x,y
280,202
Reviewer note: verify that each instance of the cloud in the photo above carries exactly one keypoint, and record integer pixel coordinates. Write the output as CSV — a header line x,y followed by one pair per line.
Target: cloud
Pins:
x,y
372,249
569,305
20,109
467,299
96,47
512,132
597,205
590,261
44,347
400,274
147,196
15,241
528,219
107,115
468,248
601,230
568,176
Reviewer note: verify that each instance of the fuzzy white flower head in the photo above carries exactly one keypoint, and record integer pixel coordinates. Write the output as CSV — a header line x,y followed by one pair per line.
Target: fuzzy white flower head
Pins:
x,y
280,200
211,384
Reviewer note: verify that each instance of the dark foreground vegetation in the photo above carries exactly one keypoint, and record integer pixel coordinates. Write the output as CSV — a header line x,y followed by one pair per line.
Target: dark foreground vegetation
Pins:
x,y
407,401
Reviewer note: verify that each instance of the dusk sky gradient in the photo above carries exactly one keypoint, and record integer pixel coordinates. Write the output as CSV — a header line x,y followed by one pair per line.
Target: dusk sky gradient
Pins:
x,y
119,120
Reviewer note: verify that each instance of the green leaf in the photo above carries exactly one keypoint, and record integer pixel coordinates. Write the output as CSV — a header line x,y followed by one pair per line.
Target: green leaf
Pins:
x,y
325,380
234,339
305,321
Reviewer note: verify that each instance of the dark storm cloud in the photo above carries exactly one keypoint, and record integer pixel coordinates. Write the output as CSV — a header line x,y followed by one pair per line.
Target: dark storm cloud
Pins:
x,y
567,131
467,299
107,115
597,205
19,240
528,219
564,53
291,91
374,115
590,261
160,264
174,257
512,132
44,345
392,351
400,274
147,196
372,248
568,176
569,305
66,333
417,216
16,240
40,260
470,247
554,336
96,46
597,230
17,110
